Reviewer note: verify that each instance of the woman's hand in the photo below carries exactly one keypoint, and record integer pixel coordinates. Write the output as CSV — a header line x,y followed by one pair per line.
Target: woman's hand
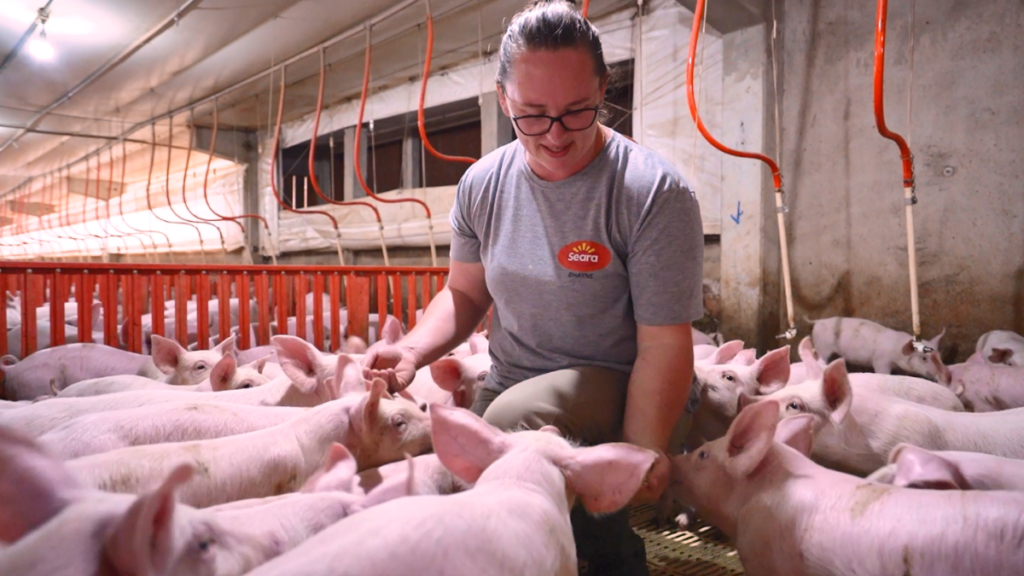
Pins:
x,y
393,363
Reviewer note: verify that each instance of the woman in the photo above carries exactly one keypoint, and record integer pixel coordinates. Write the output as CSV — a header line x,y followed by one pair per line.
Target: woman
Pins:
x,y
590,249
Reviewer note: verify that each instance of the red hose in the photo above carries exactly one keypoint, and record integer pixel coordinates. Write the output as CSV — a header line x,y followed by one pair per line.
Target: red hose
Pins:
x,y
273,163
359,130
423,93
312,151
184,186
586,8
149,184
694,37
206,180
905,155
120,203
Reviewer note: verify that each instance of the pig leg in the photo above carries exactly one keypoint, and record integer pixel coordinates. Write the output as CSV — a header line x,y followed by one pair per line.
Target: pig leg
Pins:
x,y
881,366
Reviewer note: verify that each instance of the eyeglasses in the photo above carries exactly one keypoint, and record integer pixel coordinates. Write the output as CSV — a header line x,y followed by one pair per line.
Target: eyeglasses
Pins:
x,y
572,121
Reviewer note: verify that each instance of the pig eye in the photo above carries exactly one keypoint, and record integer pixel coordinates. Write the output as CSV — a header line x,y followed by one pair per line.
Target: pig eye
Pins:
x,y
481,377
200,367
794,405
703,454
246,385
730,377
399,423
204,545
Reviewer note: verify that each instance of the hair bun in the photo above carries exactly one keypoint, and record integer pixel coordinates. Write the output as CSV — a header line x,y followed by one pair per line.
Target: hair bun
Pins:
x,y
536,3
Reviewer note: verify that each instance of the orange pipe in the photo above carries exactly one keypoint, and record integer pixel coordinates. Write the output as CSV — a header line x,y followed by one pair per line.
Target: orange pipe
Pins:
x,y
905,155
184,185
120,204
586,8
149,184
273,164
110,221
312,151
359,130
423,92
694,37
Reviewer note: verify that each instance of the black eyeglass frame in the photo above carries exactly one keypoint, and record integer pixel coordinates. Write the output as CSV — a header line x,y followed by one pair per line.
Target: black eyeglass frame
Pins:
x,y
552,119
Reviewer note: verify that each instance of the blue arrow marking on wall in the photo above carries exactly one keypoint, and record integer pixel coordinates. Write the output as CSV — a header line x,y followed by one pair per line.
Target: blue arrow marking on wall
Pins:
x,y
739,213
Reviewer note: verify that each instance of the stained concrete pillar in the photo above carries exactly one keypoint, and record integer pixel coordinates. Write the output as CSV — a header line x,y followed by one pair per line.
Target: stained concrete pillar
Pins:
x,y
750,257
412,174
351,183
495,127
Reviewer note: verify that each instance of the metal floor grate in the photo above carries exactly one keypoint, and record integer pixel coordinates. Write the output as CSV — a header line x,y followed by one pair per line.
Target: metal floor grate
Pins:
x,y
704,551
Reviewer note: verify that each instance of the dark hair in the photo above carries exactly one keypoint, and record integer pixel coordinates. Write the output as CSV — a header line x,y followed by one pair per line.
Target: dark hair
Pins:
x,y
549,25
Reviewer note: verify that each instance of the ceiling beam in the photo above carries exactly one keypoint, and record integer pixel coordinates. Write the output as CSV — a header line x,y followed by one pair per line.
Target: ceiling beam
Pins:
x,y
731,15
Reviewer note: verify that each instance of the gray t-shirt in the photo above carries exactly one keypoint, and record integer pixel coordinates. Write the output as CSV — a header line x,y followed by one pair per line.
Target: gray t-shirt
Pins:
x,y
573,266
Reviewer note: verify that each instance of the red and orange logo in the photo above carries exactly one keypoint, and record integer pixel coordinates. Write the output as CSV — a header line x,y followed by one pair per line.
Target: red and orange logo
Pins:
x,y
584,256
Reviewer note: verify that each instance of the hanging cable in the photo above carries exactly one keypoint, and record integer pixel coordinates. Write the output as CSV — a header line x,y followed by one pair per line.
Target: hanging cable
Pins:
x,y
273,175
423,92
184,188
85,205
780,207
312,158
909,192
235,219
120,207
99,221
64,215
359,130
110,221
167,189
149,202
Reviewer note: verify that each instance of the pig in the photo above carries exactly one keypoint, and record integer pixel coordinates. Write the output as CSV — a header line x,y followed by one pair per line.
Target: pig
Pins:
x,y
982,386
477,343
42,337
375,427
700,338
810,366
914,467
257,352
225,375
161,423
792,517
525,485
711,355
1002,347
720,388
269,527
857,432
184,367
72,530
864,343
40,418
429,476
745,357
451,381
71,363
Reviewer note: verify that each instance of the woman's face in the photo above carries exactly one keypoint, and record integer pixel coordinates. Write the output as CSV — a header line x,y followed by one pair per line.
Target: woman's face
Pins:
x,y
554,82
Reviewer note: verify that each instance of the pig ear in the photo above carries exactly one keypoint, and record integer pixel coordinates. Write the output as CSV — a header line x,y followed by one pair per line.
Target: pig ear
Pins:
x,y
447,374
1000,355
222,374
746,357
750,437
143,541
227,347
811,359
369,411
392,330
835,387
726,352
919,468
166,353
934,342
478,343
797,432
772,370
975,358
34,486
464,442
743,401
908,348
945,377
300,361
348,376
607,476
340,464
551,430
259,365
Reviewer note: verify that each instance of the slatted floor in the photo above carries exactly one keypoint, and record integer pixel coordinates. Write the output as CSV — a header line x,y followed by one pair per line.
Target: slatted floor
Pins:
x,y
704,551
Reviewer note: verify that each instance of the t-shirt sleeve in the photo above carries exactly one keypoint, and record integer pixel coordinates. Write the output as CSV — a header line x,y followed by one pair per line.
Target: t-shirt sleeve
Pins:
x,y
465,246
666,259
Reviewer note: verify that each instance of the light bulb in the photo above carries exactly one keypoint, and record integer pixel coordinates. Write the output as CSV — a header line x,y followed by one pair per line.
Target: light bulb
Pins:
x,y
40,48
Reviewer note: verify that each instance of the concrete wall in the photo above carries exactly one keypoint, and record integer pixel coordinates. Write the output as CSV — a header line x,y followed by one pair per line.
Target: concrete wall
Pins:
x,y
848,235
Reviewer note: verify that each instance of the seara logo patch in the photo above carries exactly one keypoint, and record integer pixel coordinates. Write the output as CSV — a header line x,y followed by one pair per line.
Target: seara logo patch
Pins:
x,y
584,256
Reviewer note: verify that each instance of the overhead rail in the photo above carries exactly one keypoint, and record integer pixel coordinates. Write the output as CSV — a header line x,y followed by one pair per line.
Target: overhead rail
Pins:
x,y
275,150
312,159
780,207
355,155
235,219
907,159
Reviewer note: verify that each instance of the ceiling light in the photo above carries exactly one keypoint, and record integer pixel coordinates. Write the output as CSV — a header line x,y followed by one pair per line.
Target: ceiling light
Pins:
x,y
40,48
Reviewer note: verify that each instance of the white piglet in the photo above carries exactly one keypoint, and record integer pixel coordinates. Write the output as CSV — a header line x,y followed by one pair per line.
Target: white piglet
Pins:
x,y
870,345
915,467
